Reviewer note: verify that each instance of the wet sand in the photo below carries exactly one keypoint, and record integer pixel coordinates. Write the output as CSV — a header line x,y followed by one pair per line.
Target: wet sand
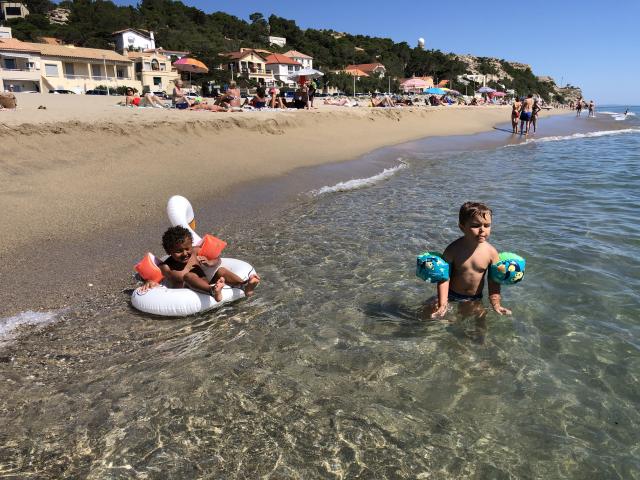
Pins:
x,y
84,183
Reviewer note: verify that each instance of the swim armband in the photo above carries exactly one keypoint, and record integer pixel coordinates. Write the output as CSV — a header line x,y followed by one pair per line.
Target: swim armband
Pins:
x,y
430,266
148,269
211,247
508,270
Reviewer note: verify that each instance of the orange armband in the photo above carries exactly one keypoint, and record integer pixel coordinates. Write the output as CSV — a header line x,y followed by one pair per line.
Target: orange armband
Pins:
x,y
211,247
148,269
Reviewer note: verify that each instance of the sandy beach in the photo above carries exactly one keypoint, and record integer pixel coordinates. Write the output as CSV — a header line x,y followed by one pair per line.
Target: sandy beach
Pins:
x,y
81,178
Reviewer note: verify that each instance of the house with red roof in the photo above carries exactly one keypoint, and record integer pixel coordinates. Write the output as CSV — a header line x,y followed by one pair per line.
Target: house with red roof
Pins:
x,y
371,69
281,67
249,63
305,60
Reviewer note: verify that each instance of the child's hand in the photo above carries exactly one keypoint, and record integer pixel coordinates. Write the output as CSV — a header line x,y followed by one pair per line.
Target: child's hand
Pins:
x,y
208,263
439,313
148,285
500,310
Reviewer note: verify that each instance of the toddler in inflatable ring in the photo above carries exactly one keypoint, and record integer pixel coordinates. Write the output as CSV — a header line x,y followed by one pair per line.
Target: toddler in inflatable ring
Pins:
x,y
183,267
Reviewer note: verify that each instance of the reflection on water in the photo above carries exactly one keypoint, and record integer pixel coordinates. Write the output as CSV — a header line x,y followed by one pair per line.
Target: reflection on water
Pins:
x,y
332,371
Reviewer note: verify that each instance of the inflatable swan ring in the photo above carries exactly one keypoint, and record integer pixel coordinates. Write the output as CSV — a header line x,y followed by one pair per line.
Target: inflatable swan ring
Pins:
x,y
177,302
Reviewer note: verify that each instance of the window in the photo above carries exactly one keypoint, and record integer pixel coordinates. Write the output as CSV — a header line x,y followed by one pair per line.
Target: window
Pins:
x,y
10,63
95,70
68,69
121,72
51,69
13,11
157,80
155,66
290,68
147,66
163,67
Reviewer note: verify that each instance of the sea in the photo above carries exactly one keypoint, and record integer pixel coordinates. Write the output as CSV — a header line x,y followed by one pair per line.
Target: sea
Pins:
x,y
334,368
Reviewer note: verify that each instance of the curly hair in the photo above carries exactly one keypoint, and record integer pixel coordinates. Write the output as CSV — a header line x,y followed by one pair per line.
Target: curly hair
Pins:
x,y
470,210
174,236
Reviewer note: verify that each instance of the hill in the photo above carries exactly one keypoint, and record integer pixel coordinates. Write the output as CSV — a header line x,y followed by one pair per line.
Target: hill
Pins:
x,y
90,23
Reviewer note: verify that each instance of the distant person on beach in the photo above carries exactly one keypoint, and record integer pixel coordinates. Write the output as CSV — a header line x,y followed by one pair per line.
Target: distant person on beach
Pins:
x,y
179,95
525,114
579,107
231,98
535,110
312,92
592,109
183,267
275,101
626,112
515,115
132,99
382,101
469,258
301,97
260,99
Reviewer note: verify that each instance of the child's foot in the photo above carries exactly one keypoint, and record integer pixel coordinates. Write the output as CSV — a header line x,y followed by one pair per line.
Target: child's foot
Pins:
x,y
217,289
251,285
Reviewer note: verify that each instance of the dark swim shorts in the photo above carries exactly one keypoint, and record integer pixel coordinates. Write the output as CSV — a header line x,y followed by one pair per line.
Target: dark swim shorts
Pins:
x,y
459,297
525,116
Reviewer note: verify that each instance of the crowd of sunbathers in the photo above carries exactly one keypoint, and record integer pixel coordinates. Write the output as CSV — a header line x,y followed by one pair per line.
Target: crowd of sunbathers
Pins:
x,y
230,100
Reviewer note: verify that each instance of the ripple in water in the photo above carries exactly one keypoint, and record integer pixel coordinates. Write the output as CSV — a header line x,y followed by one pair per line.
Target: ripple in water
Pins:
x,y
333,371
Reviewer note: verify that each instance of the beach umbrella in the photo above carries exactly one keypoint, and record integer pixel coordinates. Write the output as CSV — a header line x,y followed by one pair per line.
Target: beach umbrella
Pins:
x,y
497,94
453,92
414,83
190,65
486,90
306,73
435,91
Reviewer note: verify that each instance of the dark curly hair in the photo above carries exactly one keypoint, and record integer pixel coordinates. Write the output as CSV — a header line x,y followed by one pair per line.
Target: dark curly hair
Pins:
x,y
470,210
174,236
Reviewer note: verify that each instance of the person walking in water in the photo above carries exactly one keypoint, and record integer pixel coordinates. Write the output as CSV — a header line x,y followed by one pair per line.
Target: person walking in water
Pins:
x,y
579,107
525,114
592,109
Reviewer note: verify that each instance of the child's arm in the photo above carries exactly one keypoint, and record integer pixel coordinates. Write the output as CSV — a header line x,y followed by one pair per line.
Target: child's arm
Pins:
x,y
495,298
443,299
443,287
177,276
148,285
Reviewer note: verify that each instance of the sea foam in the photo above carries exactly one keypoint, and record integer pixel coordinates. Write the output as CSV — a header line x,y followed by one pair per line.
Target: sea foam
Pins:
x,y
357,183
576,136
8,325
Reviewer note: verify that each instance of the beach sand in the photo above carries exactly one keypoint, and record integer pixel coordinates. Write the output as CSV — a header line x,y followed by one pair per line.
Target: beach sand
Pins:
x,y
84,183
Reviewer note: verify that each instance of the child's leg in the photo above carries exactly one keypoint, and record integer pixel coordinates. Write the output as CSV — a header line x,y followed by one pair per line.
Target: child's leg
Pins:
x,y
235,281
217,289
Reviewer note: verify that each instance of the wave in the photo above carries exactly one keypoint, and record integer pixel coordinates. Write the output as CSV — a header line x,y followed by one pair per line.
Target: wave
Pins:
x,y
618,116
357,183
576,136
8,325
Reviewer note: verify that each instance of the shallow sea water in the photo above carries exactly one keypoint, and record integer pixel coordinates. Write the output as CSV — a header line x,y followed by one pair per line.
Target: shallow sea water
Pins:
x,y
333,370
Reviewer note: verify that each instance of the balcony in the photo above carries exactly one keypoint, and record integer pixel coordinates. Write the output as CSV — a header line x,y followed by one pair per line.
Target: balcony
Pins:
x,y
76,77
30,74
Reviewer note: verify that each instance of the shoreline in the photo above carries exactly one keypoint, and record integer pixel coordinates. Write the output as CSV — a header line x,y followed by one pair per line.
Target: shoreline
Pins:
x,y
58,208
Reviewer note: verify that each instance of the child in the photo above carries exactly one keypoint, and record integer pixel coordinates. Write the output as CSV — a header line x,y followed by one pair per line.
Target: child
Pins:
x,y
469,258
183,267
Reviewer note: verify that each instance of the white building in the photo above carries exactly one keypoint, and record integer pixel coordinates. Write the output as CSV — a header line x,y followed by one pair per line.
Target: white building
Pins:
x,y
279,41
305,60
5,32
134,40
281,66
10,10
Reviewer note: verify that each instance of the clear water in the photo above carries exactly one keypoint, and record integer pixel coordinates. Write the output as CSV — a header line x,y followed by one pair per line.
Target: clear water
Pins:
x,y
333,370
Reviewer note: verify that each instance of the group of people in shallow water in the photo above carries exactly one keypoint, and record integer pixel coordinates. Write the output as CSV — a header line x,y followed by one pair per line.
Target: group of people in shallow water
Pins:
x,y
525,111
582,104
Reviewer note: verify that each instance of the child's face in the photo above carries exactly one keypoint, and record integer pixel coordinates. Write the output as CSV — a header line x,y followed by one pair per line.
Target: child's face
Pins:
x,y
181,251
477,228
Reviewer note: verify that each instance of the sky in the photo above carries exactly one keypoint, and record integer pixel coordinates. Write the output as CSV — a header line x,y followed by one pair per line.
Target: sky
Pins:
x,y
590,44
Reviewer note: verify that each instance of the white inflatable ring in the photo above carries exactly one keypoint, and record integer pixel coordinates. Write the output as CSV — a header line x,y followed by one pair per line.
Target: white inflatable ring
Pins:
x,y
178,302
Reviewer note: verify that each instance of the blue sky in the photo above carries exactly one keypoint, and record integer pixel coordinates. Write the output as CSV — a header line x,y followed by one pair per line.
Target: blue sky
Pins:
x,y
594,45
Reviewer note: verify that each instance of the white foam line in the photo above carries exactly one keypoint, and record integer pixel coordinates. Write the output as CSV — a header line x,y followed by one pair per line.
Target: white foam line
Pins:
x,y
8,325
575,136
357,183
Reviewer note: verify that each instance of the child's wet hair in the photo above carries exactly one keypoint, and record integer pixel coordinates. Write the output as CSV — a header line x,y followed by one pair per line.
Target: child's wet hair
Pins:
x,y
470,210
174,236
